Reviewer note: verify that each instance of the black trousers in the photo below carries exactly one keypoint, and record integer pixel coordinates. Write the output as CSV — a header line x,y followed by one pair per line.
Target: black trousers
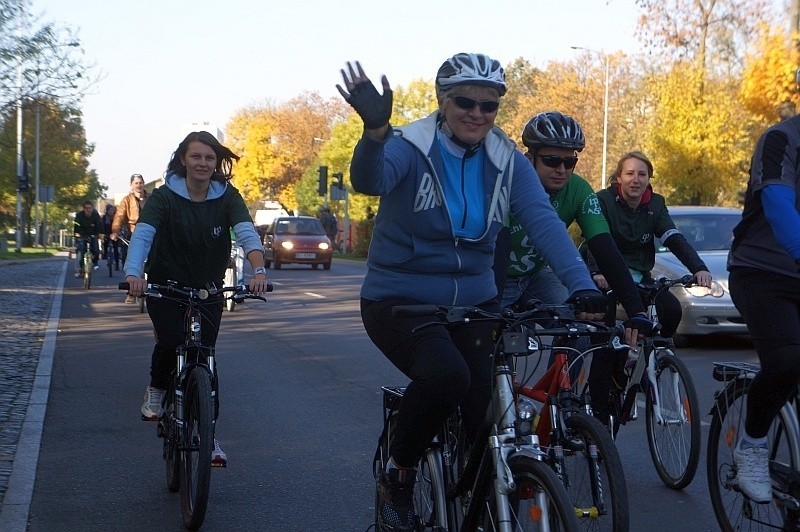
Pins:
x,y
448,367
770,305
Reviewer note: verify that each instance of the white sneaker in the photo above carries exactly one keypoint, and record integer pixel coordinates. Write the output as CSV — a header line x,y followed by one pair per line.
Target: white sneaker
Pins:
x,y
218,456
153,399
752,472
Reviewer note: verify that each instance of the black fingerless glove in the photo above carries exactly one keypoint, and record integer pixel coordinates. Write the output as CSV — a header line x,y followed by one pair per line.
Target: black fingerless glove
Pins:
x,y
640,323
591,301
373,108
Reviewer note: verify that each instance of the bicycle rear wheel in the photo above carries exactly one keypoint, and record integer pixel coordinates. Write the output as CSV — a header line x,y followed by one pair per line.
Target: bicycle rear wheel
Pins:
x,y
673,426
539,500
198,410
733,510
593,474
230,280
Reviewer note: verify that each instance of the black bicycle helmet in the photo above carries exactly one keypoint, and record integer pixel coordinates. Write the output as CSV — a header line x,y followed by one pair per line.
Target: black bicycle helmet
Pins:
x,y
471,69
553,129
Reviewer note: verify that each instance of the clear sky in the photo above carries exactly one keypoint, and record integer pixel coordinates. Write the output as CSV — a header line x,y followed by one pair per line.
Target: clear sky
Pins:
x,y
169,63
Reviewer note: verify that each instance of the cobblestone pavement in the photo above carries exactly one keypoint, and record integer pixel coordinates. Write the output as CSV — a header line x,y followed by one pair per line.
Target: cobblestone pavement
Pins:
x,y
27,291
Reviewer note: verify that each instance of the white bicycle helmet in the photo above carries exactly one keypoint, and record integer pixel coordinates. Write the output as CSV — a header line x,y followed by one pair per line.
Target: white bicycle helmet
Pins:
x,y
471,69
553,129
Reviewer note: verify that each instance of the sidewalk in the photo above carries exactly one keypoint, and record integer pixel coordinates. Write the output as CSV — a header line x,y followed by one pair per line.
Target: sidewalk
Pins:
x,y
30,307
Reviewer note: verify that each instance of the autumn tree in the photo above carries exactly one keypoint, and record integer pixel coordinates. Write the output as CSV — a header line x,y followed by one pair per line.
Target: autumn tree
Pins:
x,y
697,135
768,80
64,159
278,143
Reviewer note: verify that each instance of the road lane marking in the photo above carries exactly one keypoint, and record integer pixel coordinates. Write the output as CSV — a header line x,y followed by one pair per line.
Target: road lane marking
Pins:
x,y
312,294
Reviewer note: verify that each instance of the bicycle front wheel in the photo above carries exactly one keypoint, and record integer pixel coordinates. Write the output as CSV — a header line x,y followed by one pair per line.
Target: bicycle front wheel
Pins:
x,y
593,475
172,457
538,502
734,511
673,422
198,443
87,270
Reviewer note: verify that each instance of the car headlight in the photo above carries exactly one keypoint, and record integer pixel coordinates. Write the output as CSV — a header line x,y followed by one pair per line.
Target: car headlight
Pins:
x,y
715,290
287,244
323,245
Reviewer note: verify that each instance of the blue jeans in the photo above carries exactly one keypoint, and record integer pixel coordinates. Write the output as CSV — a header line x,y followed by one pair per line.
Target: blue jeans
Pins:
x,y
542,285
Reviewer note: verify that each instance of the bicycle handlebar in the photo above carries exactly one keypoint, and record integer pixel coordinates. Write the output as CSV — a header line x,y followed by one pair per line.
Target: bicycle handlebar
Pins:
x,y
653,286
198,294
553,320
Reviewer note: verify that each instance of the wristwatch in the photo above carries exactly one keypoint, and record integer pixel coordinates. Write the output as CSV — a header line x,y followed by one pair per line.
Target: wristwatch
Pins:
x,y
261,270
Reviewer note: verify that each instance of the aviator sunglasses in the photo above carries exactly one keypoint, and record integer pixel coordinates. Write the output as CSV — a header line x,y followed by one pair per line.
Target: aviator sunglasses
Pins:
x,y
554,161
468,104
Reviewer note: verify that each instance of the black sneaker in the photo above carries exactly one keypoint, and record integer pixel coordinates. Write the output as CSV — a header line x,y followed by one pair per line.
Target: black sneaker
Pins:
x,y
395,508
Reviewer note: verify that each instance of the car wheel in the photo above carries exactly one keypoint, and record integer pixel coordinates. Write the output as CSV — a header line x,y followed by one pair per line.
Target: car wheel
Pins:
x,y
326,266
315,266
267,264
277,265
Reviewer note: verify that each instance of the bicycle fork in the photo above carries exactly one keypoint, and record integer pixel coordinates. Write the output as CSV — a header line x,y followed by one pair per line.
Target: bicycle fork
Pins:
x,y
675,413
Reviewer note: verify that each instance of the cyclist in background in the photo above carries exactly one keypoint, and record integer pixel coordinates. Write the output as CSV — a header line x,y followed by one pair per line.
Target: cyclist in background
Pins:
x,y
187,218
128,213
446,183
553,141
764,266
108,220
87,224
636,216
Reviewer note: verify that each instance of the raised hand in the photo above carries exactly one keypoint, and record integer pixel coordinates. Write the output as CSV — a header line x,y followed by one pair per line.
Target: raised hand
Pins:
x,y
374,109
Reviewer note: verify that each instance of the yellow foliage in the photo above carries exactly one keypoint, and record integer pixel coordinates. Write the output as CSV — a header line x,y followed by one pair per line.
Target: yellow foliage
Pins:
x,y
769,74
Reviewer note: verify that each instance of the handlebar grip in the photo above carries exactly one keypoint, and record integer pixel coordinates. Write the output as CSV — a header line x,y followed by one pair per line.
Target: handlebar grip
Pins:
x,y
269,287
123,285
408,311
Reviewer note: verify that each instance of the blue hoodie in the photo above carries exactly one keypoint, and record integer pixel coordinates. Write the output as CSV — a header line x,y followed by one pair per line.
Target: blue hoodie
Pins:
x,y
415,253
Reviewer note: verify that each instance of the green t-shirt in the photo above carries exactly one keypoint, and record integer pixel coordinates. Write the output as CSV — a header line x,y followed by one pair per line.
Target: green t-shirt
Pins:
x,y
575,202
193,241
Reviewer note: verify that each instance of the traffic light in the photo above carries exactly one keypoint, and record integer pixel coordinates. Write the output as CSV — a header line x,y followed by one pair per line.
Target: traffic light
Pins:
x,y
338,176
23,183
323,180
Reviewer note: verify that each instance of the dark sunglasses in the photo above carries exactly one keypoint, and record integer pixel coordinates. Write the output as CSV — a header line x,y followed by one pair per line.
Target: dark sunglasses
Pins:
x,y
468,104
554,161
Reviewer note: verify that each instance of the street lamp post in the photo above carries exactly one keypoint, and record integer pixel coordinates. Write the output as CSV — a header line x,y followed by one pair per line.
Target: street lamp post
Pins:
x,y
605,111
605,129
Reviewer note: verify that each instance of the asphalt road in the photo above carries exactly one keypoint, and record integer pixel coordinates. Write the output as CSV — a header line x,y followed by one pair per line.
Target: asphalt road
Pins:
x,y
300,414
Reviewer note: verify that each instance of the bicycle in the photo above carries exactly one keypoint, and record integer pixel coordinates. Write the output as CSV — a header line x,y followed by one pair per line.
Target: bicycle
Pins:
x,y
234,274
125,244
190,404
734,510
501,482
110,257
672,410
85,261
579,447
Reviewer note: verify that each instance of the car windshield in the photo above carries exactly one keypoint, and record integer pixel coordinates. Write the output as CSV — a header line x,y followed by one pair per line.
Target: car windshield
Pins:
x,y
705,232
303,227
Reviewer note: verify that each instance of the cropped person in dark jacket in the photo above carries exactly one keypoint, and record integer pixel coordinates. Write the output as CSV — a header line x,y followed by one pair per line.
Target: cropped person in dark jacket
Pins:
x,y
636,216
